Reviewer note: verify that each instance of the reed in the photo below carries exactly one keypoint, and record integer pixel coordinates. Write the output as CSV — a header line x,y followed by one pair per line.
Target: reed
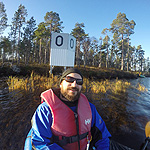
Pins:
x,y
32,83
115,86
41,82
141,88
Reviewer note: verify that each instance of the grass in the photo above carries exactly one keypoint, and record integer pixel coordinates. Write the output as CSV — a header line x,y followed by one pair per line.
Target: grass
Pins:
x,y
114,86
141,88
32,83
42,82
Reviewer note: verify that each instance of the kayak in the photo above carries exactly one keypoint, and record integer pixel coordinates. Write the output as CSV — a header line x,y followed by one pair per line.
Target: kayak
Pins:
x,y
141,76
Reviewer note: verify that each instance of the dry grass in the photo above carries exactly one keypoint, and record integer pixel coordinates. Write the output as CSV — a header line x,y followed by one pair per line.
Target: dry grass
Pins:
x,y
32,83
41,82
141,88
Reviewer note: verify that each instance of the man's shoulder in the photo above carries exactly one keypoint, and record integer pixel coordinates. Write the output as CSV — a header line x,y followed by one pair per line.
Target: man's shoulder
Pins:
x,y
92,105
93,109
43,106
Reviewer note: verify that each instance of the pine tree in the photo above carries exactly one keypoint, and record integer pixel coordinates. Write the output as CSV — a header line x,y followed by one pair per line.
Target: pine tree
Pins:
x,y
79,33
3,18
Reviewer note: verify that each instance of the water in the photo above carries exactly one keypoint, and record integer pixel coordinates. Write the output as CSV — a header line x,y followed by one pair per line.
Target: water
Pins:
x,y
125,114
138,110
16,110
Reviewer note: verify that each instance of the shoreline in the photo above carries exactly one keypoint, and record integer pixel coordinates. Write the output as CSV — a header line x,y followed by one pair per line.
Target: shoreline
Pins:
x,y
93,73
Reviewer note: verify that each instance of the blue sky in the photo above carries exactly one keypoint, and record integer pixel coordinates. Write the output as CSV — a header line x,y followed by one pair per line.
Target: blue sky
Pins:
x,y
95,14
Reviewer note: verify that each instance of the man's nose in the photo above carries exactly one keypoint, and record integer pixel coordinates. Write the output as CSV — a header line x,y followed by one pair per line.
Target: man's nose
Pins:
x,y
74,84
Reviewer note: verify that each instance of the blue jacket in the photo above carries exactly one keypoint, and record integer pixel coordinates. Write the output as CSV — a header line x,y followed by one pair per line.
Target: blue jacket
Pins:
x,y
41,130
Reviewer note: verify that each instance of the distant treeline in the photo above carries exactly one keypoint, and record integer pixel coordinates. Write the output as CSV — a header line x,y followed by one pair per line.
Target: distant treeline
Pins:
x,y
28,42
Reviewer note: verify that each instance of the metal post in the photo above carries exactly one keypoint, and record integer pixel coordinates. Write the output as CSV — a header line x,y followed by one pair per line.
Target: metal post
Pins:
x,y
50,69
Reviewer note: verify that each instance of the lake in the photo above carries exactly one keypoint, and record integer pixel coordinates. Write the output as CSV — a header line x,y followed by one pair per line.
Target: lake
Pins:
x,y
136,114
125,114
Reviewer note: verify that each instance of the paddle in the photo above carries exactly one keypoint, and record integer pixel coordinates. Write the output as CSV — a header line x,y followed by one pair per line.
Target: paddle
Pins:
x,y
147,129
147,133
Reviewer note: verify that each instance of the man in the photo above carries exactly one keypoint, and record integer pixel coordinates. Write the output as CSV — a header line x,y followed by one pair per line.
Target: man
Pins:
x,y
66,120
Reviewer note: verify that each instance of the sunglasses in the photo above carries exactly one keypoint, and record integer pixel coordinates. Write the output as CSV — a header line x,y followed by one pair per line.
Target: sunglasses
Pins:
x,y
71,80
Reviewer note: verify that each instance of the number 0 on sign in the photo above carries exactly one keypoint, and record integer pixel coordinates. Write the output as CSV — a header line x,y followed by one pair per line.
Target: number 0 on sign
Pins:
x,y
59,40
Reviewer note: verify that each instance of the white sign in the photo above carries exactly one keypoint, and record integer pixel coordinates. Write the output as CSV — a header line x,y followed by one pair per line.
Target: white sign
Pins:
x,y
62,49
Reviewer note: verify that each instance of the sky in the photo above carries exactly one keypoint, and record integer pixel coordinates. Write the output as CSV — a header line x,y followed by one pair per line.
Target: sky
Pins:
x,y
95,14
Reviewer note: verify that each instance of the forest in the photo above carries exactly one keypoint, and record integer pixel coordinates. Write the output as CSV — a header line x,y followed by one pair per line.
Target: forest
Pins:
x,y
29,43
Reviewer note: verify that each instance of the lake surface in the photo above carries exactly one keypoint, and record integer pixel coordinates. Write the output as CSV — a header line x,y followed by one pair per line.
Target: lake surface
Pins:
x,y
132,132
125,114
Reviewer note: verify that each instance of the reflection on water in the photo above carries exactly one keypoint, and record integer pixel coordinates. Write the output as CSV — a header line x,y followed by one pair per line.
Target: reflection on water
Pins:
x,y
141,107
16,109
125,114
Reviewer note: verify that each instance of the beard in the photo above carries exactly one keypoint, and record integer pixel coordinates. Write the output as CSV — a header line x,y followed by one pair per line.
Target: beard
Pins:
x,y
71,98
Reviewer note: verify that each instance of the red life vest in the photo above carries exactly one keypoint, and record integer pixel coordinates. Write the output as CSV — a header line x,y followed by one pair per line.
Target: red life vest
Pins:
x,y
64,122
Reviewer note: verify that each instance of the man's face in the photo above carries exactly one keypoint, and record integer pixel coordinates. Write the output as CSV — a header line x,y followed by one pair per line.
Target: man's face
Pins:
x,y
71,90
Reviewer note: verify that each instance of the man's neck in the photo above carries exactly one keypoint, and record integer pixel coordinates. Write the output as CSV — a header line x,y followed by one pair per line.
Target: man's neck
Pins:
x,y
67,102
63,99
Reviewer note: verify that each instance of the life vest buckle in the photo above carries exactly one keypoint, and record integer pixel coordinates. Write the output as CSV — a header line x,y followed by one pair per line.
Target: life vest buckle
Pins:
x,y
71,139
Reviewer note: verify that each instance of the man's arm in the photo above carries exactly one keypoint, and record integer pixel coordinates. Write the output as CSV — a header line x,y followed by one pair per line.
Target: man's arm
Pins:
x,y
41,129
100,134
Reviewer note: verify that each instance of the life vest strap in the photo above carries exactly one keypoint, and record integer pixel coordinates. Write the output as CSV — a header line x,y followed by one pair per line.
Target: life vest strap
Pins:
x,y
66,140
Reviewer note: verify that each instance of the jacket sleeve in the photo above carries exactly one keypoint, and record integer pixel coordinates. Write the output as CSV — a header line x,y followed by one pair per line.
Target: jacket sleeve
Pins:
x,y
100,134
41,129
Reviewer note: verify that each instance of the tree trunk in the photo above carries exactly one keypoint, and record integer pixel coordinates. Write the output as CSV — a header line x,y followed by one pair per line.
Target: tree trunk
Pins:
x,y
107,59
45,56
100,58
25,55
122,59
3,56
141,64
100,55
18,53
29,51
40,51
128,55
77,54
49,53
85,58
